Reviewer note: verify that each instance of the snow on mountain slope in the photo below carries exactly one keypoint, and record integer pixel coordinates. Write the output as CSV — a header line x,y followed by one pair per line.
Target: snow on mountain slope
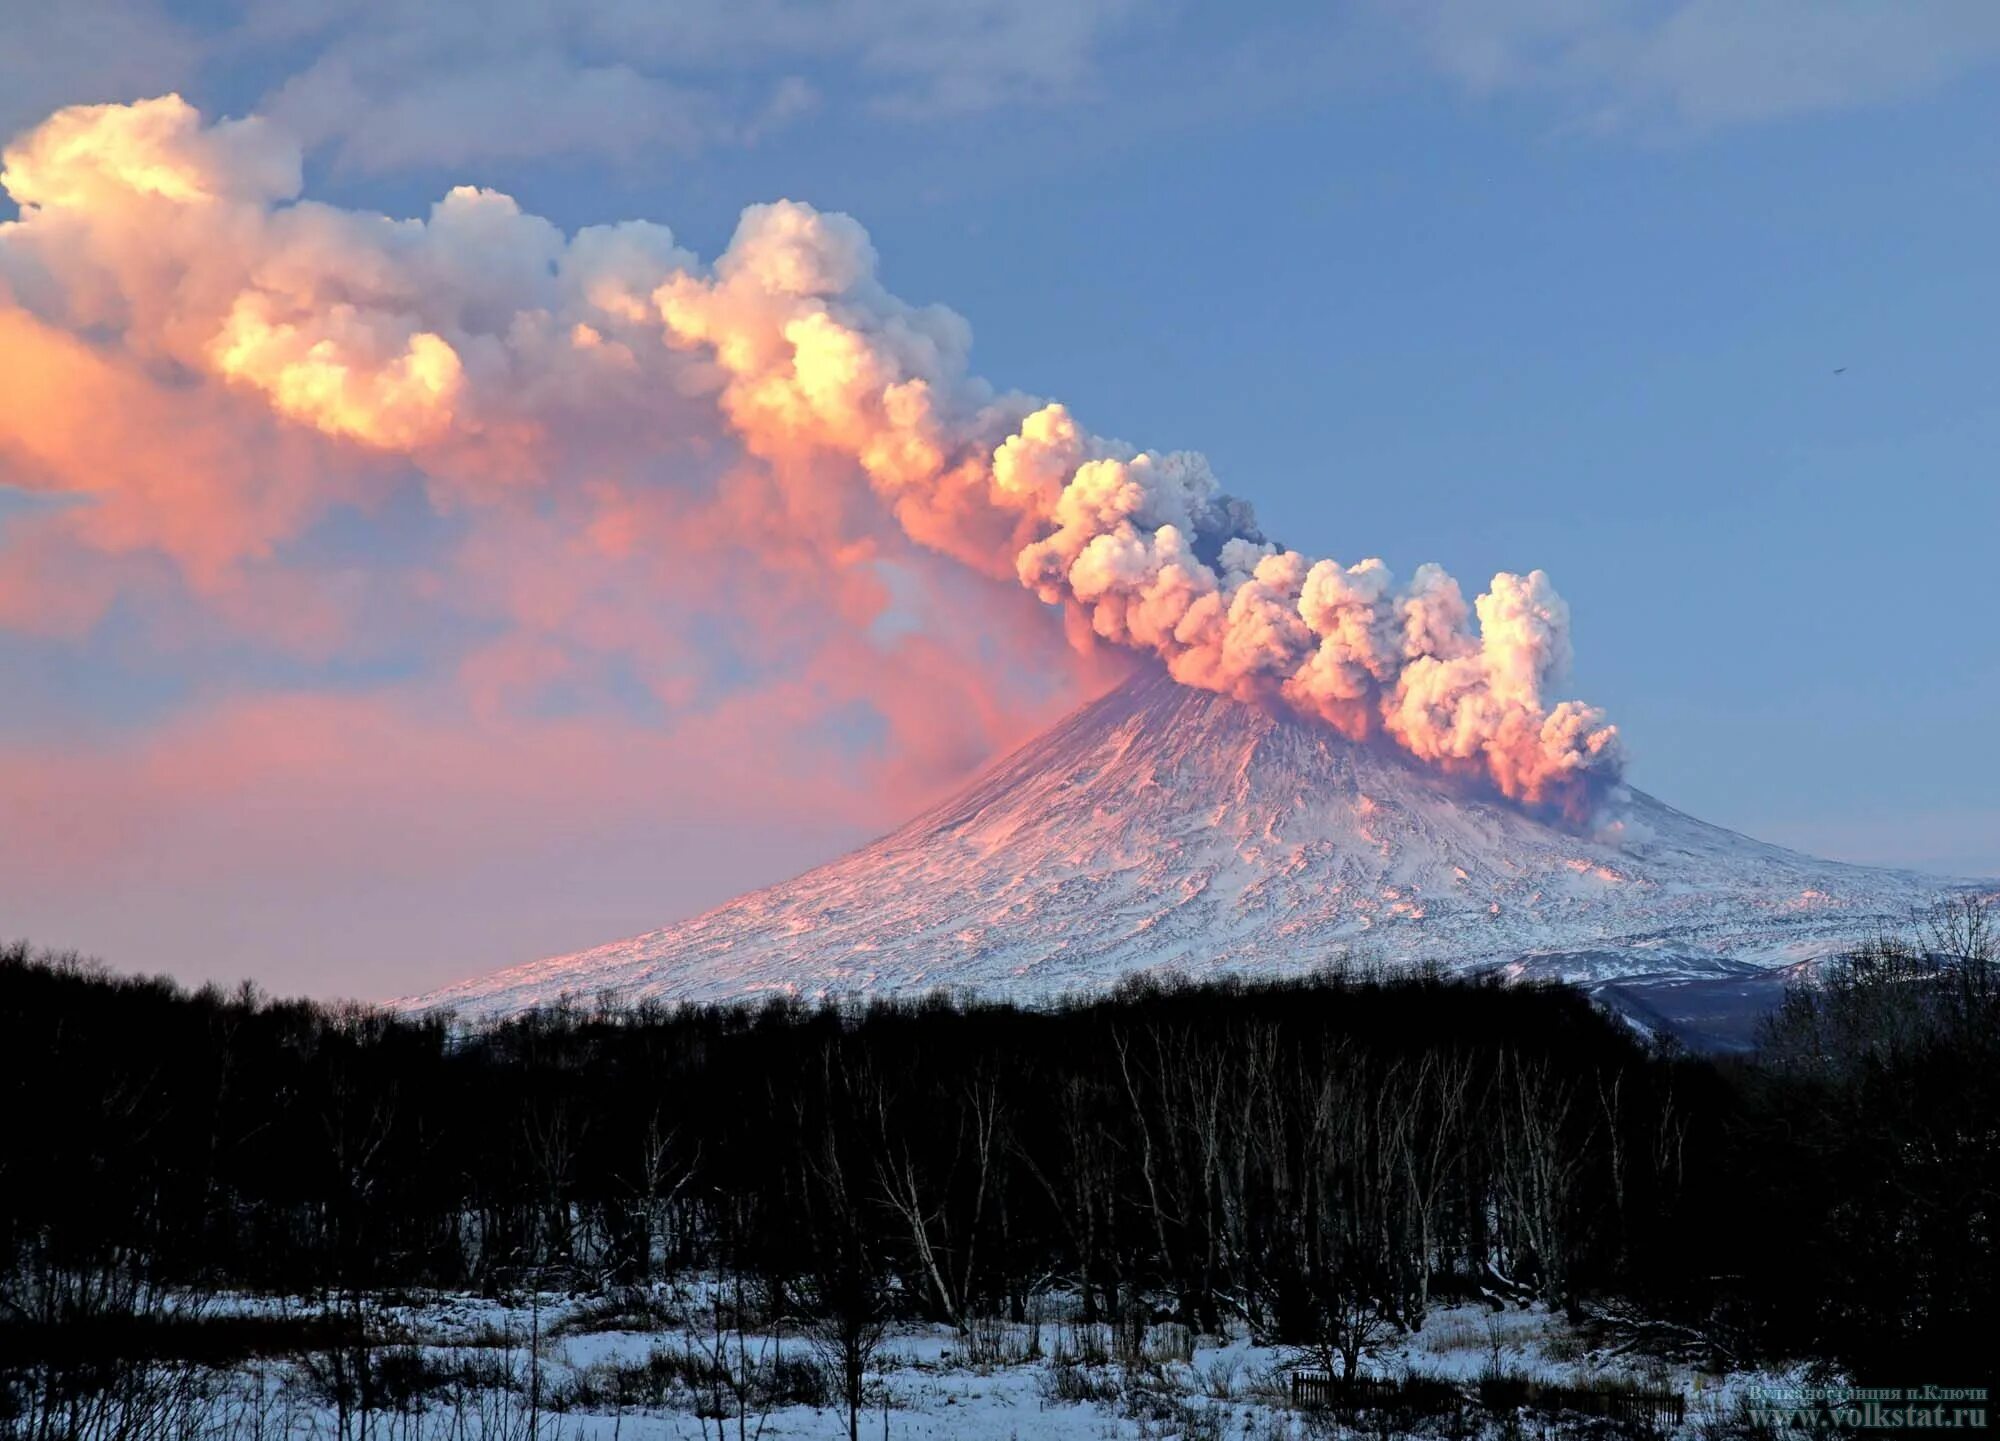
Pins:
x,y
1161,826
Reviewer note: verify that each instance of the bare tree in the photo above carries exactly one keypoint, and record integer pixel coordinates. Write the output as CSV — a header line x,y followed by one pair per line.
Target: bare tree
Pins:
x,y
1431,1151
717,1337
1539,1163
1961,929
844,1287
656,1185
945,1244
1079,1185
1350,1325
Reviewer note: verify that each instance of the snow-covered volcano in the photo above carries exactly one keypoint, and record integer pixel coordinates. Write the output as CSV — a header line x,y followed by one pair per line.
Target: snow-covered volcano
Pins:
x,y
1161,826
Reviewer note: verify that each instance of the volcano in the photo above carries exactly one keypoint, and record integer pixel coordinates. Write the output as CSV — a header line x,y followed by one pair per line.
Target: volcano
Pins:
x,y
1165,827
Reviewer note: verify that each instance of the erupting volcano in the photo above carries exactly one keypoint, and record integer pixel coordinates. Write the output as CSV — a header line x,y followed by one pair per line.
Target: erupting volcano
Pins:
x,y
662,490
1162,826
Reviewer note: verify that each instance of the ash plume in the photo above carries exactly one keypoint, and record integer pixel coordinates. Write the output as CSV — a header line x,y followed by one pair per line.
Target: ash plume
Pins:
x,y
492,351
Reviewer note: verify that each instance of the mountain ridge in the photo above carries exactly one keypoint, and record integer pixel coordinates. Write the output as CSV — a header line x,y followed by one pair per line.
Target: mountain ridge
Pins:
x,y
1164,827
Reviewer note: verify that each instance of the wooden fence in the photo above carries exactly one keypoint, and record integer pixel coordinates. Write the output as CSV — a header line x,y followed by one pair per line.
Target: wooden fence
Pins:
x,y
1619,1401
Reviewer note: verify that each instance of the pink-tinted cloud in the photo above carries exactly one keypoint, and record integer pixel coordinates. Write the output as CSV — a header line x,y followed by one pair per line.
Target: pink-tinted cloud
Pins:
x,y
639,536
191,472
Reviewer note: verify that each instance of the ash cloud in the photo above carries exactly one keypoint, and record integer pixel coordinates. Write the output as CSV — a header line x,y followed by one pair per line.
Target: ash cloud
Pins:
x,y
494,352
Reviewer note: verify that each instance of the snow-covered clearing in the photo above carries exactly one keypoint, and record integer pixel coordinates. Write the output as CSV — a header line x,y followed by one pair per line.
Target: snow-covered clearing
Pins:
x,y
669,1362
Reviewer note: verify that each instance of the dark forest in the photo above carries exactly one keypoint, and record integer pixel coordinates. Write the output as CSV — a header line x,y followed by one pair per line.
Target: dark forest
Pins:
x,y
1315,1160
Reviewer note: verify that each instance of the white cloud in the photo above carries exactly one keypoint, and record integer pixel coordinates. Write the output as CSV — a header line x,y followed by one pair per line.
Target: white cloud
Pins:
x,y
382,87
1679,66
384,118
80,51
379,87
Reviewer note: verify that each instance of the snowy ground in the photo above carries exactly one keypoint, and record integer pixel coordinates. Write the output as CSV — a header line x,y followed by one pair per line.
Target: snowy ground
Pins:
x,y
550,1369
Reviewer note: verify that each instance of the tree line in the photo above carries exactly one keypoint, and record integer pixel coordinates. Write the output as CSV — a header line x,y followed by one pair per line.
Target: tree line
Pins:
x,y
1318,1160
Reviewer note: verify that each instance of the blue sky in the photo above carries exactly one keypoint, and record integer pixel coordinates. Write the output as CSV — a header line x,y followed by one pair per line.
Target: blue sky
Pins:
x,y
1507,286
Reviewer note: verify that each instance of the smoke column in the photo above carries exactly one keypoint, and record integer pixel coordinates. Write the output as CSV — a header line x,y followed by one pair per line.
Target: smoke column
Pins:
x,y
482,343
